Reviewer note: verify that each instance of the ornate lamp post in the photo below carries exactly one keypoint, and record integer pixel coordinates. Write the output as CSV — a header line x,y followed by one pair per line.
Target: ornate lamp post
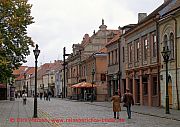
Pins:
x,y
166,53
24,87
92,95
36,54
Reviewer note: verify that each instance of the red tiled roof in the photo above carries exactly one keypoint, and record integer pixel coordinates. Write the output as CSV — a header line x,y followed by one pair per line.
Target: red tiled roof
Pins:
x,y
19,70
20,77
42,70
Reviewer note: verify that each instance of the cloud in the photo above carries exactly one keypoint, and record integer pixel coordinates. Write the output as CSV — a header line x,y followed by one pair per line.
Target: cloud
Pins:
x,y
60,23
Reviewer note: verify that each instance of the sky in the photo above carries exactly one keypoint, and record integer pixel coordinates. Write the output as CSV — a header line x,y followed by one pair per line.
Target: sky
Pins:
x,y
62,23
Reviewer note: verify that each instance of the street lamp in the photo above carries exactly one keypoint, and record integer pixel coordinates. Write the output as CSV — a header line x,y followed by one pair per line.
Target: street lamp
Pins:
x,y
166,54
24,87
36,54
64,68
92,96
30,84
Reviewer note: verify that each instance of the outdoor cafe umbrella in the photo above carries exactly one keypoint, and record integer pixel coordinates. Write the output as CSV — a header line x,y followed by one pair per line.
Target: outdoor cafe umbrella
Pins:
x,y
83,85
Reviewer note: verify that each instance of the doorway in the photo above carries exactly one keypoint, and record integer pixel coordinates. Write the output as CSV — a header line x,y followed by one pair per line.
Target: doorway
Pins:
x,y
170,91
138,91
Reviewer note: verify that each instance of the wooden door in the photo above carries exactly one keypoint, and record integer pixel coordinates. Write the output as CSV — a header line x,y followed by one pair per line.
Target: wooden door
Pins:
x,y
170,93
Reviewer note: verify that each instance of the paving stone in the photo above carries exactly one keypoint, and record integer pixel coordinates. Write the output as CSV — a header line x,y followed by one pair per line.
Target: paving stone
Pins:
x,y
57,111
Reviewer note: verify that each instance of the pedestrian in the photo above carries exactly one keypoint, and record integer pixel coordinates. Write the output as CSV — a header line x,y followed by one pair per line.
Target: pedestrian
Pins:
x,y
45,95
116,105
85,95
49,95
128,101
19,95
24,96
16,94
41,94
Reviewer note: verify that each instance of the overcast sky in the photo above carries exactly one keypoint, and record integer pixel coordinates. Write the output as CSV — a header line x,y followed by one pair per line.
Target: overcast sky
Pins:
x,y
61,23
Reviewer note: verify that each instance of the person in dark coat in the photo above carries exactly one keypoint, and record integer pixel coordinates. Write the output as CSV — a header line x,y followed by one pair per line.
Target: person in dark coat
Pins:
x,y
116,105
45,95
128,101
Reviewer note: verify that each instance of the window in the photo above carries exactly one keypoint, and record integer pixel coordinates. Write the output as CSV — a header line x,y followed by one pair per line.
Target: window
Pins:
x,y
103,77
84,70
74,72
123,54
71,72
116,55
154,42
130,52
154,85
145,48
137,49
145,84
172,45
109,58
145,88
165,41
112,60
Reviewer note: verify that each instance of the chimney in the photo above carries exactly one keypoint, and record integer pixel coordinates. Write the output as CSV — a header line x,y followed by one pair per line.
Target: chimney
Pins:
x,y
141,16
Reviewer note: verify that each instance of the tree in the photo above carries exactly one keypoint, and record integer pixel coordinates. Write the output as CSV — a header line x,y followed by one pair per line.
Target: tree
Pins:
x,y
14,41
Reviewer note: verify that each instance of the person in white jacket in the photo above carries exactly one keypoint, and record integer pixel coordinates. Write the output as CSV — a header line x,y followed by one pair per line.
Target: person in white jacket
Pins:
x,y
24,96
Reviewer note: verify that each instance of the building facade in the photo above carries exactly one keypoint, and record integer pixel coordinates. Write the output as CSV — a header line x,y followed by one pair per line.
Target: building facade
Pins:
x,y
169,36
77,69
142,61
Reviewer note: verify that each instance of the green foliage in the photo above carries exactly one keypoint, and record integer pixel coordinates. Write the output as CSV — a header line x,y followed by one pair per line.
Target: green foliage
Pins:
x,y
14,41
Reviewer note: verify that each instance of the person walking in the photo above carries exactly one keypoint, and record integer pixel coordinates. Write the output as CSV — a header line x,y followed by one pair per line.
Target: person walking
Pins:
x,y
16,94
19,95
24,96
45,95
128,101
41,94
116,105
49,95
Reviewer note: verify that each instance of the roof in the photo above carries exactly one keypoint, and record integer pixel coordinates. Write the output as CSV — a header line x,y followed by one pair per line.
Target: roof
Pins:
x,y
42,70
30,71
159,11
57,65
175,4
23,70
19,70
116,37
103,50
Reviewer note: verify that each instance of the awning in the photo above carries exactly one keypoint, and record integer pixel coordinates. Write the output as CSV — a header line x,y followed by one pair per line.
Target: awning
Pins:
x,y
83,85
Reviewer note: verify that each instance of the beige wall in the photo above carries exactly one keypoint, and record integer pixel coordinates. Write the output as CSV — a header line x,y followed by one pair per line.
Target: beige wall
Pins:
x,y
166,27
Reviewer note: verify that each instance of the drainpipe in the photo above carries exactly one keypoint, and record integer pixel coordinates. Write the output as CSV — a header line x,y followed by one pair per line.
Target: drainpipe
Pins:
x,y
119,60
158,61
176,58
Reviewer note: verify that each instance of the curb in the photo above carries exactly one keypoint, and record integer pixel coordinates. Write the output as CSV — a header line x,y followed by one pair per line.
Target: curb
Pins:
x,y
164,117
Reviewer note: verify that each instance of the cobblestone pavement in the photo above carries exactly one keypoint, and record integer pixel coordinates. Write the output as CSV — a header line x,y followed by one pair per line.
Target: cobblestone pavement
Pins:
x,y
61,113
146,110
15,114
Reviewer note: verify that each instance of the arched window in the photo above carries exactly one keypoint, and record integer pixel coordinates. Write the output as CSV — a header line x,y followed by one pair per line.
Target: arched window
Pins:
x,y
165,41
172,45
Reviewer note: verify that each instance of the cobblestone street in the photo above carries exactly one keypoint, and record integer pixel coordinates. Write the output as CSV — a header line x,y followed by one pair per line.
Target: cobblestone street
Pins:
x,y
58,111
